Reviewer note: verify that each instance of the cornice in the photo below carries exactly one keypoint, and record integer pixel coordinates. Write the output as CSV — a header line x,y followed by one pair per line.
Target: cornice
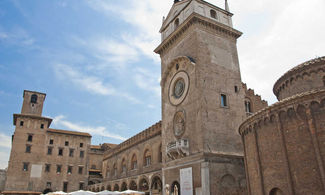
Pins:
x,y
309,65
32,117
291,101
196,19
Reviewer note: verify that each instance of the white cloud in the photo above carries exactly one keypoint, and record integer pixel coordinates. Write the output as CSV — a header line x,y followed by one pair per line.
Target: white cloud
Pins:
x,y
5,141
4,156
293,35
145,15
147,80
5,147
100,131
115,52
277,34
90,83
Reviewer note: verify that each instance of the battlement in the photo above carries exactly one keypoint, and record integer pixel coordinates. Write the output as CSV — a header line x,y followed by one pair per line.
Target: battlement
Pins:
x,y
256,101
150,132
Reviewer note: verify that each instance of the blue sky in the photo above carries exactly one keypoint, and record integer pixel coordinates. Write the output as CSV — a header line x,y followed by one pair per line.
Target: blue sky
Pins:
x,y
94,58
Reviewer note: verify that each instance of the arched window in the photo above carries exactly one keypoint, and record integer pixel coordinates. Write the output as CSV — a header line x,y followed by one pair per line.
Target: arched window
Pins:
x,y
123,166
176,23
147,158
134,163
276,191
33,99
160,154
213,14
115,170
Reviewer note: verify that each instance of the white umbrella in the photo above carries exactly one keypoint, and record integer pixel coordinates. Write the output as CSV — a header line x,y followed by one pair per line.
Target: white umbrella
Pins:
x,y
106,192
81,192
131,192
57,193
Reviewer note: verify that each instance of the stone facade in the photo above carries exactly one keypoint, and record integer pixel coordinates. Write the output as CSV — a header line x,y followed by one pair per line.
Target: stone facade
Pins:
x,y
285,143
134,164
201,43
45,159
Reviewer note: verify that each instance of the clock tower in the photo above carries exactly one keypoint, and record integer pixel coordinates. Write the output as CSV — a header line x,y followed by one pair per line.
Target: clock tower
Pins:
x,y
202,100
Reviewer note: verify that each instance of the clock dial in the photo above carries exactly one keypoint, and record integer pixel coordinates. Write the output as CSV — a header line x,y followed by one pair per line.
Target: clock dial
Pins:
x,y
178,88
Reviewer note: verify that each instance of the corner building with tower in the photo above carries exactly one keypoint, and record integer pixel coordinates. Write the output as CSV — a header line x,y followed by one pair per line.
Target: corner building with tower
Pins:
x,y
196,148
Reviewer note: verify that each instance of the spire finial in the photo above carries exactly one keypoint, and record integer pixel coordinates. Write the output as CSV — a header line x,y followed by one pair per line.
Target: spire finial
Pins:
x,y
226,6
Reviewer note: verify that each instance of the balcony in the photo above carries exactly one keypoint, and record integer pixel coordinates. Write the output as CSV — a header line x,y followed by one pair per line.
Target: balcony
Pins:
x,y
178,149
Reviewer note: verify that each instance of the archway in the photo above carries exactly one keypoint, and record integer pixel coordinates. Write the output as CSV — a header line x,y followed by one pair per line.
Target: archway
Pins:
x,y
175,188
124,186
276,191
133,186
47,190
116,188
144,185
156,186
109,188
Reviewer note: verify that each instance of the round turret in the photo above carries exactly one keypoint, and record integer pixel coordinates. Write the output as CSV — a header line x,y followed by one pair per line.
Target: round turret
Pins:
x,y
305,77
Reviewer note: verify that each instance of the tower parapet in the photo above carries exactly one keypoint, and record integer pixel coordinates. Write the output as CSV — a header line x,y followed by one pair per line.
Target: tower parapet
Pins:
x,y
182,10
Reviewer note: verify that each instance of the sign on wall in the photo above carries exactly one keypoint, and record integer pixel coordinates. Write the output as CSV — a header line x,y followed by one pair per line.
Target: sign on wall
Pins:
x,y
36,171
186,181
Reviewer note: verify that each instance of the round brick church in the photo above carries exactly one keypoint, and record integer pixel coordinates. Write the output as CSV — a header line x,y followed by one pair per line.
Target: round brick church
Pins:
x,y
284,144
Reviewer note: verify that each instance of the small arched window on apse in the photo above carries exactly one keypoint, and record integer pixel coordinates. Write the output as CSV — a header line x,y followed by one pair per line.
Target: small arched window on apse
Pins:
x,y
33,99
134,163
276,191
213,14
147,158
176,23
123,166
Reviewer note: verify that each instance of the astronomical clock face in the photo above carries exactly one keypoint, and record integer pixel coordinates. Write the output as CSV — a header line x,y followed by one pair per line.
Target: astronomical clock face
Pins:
x,y
179,123
178,88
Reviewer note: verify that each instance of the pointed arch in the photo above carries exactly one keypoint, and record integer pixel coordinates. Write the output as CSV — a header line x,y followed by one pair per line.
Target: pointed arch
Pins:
x,y
134,162
147,158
